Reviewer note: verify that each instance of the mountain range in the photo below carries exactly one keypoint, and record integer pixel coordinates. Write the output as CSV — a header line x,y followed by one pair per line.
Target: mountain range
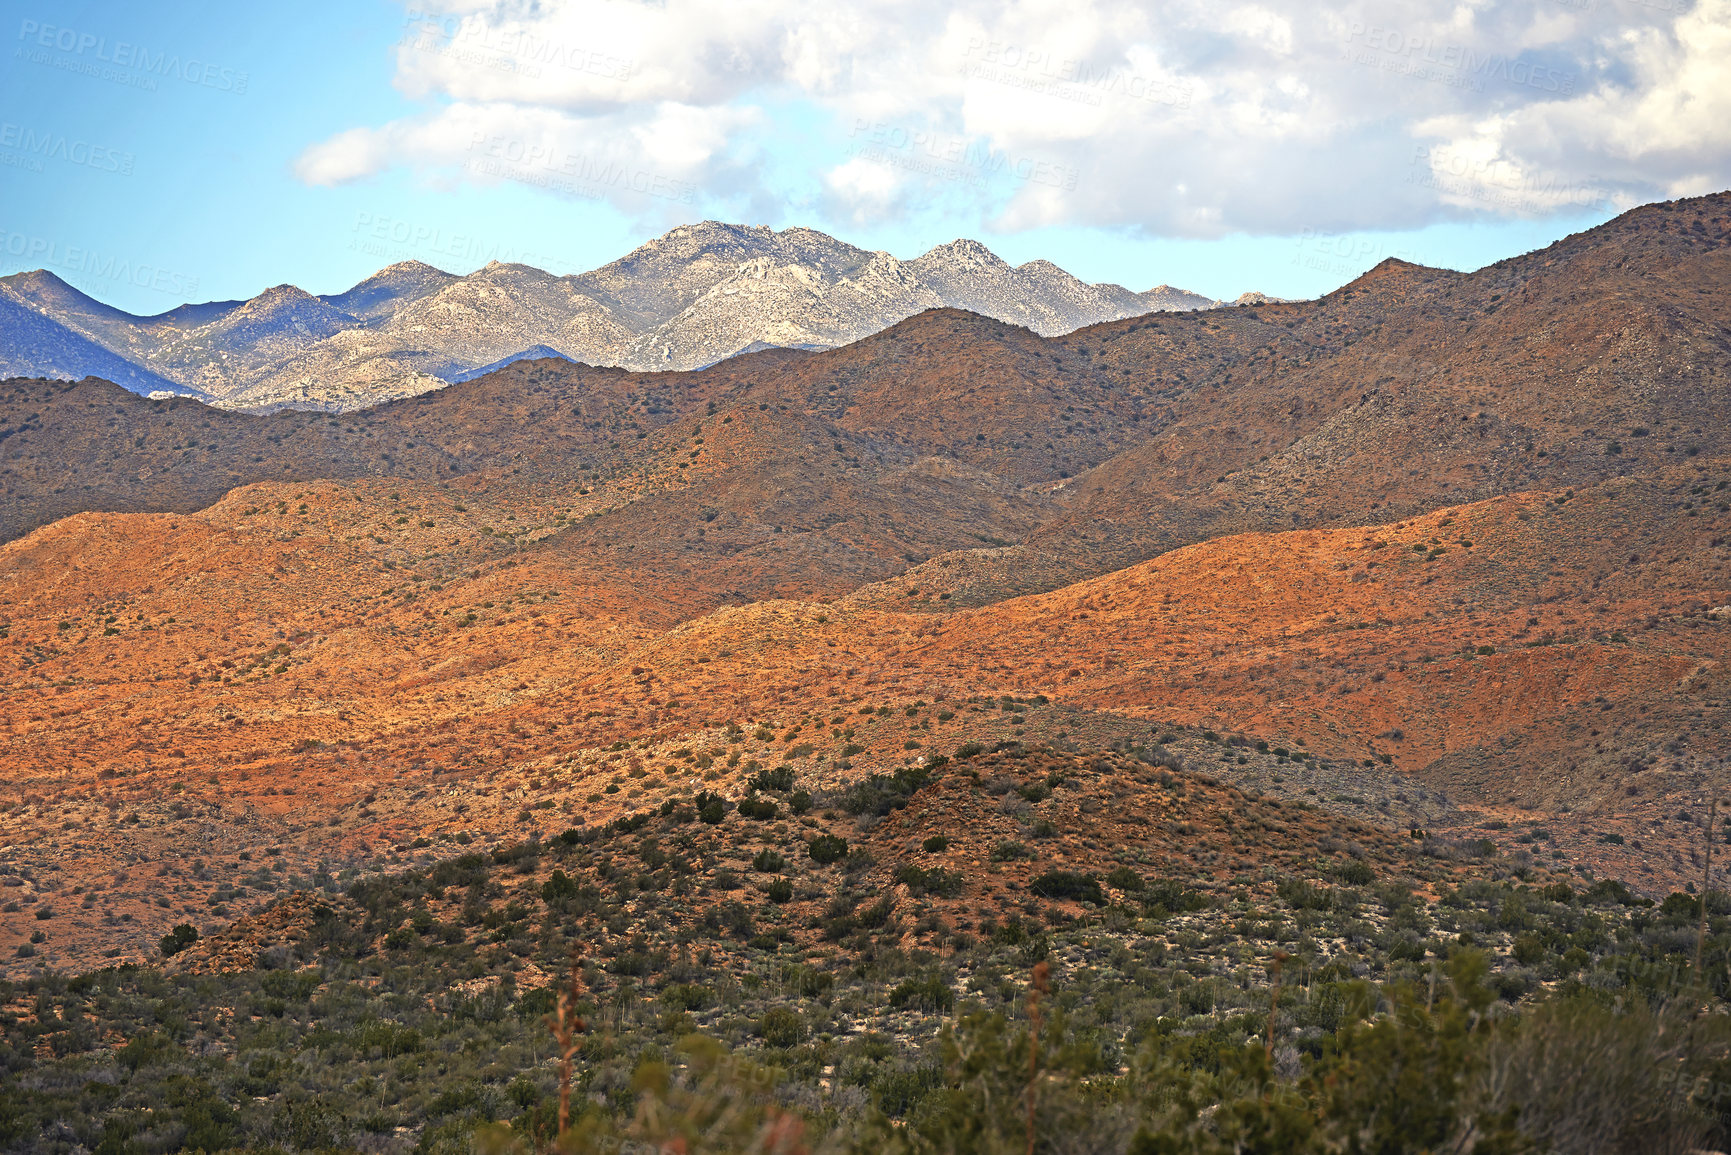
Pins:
x,y
695,296
1439,551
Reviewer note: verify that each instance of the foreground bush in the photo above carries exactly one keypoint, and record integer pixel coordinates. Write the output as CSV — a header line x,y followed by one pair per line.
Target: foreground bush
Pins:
x,y
1409,1069
813,1006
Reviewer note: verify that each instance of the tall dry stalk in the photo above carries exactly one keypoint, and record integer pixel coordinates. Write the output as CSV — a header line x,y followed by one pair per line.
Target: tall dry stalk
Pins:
x,y
1280,958
566,1025
1041,984
1706,884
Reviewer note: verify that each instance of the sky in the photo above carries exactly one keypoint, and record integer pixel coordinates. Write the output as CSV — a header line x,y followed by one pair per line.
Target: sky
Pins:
x,y
158,153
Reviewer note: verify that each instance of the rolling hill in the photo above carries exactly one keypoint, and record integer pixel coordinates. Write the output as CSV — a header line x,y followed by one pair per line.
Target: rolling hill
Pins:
x,y
1435,550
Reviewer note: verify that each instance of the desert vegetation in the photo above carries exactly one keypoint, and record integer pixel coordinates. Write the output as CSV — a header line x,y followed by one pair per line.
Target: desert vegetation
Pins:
x,y
1380,997
1298,726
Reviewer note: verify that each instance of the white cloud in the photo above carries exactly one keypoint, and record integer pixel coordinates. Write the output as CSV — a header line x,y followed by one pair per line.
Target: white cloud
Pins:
x,y
347,156
864,189
1254,22
1193,117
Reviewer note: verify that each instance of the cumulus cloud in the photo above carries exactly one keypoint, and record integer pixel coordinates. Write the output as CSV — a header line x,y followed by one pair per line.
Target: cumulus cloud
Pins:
x,y
347,156
1659,122
1190,118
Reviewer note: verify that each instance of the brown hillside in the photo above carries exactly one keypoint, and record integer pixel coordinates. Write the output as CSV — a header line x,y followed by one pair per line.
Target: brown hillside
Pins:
x,y
262,689
1451,542
1601,356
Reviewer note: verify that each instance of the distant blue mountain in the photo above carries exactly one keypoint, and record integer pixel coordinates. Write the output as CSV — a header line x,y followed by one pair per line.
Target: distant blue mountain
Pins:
x,y
532,352
38,346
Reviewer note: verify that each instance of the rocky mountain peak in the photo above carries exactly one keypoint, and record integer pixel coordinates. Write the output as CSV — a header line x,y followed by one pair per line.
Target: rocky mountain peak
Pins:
x,y
699,293
279,296
964,252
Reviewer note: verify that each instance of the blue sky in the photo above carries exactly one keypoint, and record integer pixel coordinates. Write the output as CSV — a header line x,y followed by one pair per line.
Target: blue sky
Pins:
x,y
153,154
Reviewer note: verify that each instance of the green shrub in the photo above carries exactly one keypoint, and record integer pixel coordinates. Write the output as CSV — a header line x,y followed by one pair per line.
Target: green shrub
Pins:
x,y
1609,890
1068,885
752,806
937,880
928,993
464,870
877,915
312,1124
149,1049
781,1027
1301,895
558,886
711,808
687,996
1529,949
296,985
1124,878
1167,896
178,939
732,916
826,848
779,780
1356,872
896,1090
879,794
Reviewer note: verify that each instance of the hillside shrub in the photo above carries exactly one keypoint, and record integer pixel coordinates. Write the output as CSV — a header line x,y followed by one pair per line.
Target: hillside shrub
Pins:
x,y
930,993
782,1027
880,794
1068,885
937,880
780,780
178,939
826,849
752,806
